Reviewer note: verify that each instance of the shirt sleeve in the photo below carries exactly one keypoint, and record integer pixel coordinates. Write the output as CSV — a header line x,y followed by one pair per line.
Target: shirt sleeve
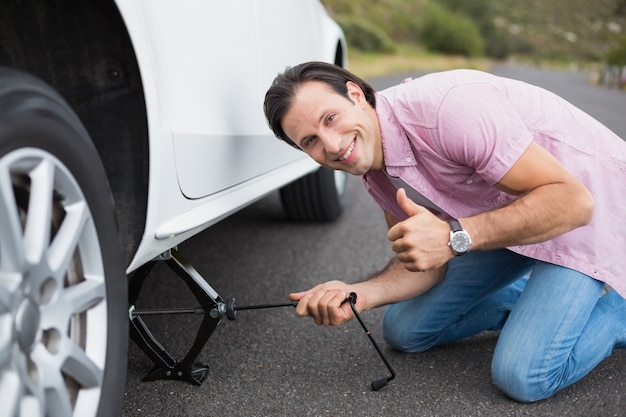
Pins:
x,y
478,127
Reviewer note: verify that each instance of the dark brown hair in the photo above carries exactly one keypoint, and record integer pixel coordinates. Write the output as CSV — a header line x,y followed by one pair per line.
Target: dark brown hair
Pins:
x,y
279,97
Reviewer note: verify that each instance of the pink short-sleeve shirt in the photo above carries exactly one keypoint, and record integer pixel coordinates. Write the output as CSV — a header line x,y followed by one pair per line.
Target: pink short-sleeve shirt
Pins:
x,y
453,135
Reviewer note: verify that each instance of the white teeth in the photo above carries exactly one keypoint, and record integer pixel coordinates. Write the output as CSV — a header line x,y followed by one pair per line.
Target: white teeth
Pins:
x,y
348,152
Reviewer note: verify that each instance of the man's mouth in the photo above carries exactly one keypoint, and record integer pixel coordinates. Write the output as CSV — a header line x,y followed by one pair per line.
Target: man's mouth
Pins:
x,y
348,152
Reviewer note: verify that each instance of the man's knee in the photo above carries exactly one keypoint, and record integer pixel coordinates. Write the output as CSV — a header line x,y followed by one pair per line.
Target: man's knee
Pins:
x,y
405,338
519,381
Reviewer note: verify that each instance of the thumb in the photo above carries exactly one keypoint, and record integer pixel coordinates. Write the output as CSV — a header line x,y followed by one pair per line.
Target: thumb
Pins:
x,y
406,204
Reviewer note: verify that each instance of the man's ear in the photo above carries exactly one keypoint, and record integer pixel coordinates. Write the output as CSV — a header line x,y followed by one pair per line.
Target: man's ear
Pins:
x,y
355,93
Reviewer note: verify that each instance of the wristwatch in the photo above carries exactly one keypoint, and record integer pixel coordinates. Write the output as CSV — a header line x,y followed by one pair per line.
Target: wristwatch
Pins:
x,y
460,241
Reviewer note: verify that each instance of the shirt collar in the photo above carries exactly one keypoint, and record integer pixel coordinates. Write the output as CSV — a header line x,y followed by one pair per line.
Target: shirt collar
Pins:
x,y
397,151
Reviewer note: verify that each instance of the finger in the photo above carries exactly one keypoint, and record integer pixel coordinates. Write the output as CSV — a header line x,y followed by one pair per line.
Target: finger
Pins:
x,y
322,308
321,302
336,312
398,245
327,305
314,306
302,308
342,312
294,296
406,204
412,267
410,208
409,260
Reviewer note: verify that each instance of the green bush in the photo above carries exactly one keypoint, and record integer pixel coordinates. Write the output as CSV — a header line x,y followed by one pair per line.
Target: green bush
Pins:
x,y
500,43
617,54
398,18
450,33
364,36
614,74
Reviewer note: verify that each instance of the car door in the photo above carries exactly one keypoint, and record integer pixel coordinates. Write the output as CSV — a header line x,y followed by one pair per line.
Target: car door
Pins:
x,y
221,138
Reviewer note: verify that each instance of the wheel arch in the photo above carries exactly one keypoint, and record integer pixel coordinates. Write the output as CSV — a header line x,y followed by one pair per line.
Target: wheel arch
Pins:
x,y
340,57
83,50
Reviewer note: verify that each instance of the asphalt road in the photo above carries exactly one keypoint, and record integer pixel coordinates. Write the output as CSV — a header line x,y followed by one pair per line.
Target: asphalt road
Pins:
x,y
272,363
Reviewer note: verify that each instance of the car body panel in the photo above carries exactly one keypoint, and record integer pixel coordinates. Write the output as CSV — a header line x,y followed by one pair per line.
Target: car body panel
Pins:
x,y
205,67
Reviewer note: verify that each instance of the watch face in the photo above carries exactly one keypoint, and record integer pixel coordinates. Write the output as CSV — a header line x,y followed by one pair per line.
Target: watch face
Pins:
x,y
460,242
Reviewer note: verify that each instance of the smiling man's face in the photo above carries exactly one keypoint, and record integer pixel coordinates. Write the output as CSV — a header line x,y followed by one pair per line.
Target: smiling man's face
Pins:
x,y
336,132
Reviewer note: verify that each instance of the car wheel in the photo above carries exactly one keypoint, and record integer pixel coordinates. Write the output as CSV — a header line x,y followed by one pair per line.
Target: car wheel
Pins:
x,y
63,313
319,196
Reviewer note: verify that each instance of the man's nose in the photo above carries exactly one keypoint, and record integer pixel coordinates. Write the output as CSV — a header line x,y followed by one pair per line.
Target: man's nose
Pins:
x,y
331,142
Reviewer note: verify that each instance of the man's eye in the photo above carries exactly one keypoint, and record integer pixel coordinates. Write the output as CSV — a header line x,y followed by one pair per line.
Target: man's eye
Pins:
x,y
309,141
330,118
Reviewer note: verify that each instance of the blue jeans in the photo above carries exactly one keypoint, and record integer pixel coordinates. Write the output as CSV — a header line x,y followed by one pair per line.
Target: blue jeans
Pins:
x,y
555,325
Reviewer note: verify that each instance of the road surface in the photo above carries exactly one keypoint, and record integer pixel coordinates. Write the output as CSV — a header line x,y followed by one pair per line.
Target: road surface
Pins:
x,y
272,363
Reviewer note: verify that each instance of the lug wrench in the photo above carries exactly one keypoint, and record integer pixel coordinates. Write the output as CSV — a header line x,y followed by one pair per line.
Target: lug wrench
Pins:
x,y
228,309
231,307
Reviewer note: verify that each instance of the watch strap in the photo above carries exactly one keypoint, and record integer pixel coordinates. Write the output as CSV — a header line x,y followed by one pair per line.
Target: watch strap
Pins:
x,y
455,226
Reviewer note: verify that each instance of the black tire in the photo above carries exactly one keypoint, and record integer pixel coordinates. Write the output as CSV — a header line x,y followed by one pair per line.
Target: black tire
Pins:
x,y
63,289
317,197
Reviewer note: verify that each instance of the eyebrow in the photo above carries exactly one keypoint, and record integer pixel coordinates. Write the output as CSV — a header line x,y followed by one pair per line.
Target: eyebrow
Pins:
x,y
318,121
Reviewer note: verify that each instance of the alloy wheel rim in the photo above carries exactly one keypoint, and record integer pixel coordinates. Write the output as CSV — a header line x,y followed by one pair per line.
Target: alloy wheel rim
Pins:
x,y
51,288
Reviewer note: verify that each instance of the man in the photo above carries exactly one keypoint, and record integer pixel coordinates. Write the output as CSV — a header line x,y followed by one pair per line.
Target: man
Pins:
x,y
528,182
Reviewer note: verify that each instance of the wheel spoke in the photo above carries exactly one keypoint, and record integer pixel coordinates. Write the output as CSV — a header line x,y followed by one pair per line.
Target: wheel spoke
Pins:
x,y
84,296
76,299
10,391
58,402
6,328
31,407
5,297
12,257
66,240
80,367
37,230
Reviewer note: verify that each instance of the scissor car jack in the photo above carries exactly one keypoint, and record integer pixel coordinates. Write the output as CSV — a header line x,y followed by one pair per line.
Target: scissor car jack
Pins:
x,y
213,309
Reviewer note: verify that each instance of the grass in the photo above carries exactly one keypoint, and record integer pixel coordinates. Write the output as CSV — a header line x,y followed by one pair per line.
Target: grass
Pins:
x,y
412,59
409,59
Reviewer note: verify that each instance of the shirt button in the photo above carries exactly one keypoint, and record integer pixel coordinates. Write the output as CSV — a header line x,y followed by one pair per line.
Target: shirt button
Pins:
x,y
408,159
469,182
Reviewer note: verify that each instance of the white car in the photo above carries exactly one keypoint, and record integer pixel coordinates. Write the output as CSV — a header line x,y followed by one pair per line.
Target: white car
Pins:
x,y
127,127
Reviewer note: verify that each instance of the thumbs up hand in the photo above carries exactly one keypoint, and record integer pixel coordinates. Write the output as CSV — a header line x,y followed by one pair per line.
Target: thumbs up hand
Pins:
x,y
421,241
407,205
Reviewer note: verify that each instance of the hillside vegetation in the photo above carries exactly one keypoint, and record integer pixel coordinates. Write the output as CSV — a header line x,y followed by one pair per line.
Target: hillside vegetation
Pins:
x,y
561,30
